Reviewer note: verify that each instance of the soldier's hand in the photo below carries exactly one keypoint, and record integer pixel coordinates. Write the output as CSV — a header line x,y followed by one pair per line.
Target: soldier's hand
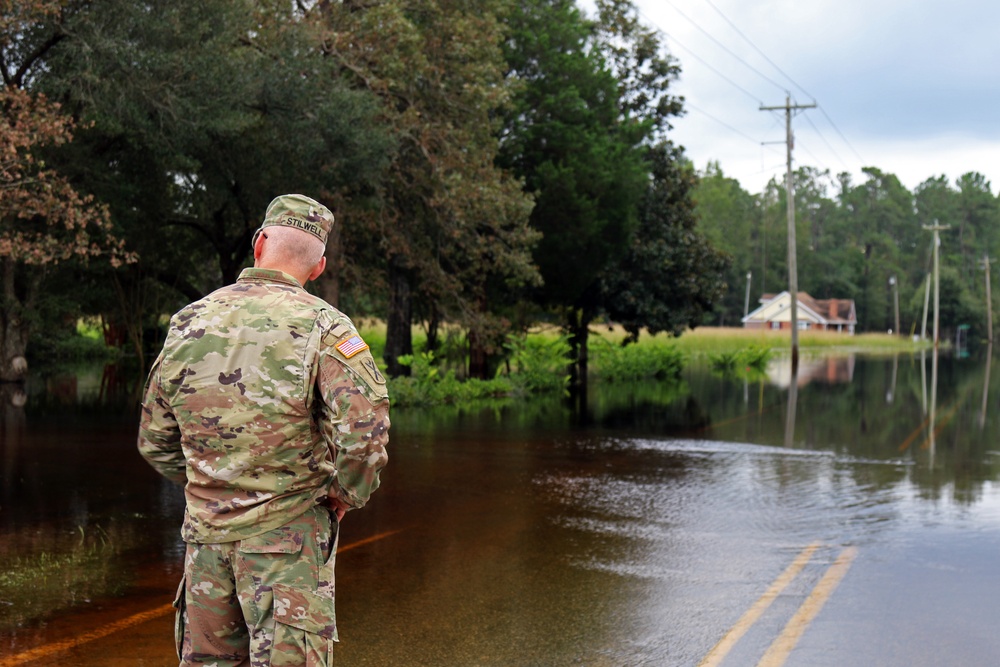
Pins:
x,y
339,508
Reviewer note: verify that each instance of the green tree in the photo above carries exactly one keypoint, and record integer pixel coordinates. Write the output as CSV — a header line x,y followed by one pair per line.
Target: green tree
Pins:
x,y
194,115
730,218
447,228
671,275
592,97
882,228
45,222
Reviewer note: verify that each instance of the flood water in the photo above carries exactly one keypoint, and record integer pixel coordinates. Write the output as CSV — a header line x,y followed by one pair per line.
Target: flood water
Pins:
x,y
645,529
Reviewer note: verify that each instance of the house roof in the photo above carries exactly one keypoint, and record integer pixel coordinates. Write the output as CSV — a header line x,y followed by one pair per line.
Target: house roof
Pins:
x,y
826,311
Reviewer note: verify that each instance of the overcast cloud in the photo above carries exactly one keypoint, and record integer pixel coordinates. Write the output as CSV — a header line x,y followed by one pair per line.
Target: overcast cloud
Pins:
x,y
912,88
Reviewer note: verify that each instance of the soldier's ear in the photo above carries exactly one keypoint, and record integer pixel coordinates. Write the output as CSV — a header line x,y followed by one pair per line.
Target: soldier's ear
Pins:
x,y
258,243
318,269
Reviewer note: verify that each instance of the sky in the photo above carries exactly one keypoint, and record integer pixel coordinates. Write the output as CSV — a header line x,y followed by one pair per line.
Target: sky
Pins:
x,y
911,87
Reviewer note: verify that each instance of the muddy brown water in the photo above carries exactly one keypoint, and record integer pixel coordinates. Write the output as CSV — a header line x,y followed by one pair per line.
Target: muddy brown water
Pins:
x,y
640,530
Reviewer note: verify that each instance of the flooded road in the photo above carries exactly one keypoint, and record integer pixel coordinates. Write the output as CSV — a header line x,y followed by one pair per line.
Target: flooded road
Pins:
x,y
853,519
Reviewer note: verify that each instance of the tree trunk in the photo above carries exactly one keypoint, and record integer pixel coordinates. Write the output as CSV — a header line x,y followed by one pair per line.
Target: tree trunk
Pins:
x,y
398,336
479,359
13,326
132,307
434,329
578,332
478,362
329,283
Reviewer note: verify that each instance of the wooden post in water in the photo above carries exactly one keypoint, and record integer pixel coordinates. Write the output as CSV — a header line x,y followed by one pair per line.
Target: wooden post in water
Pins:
x,y
937,284
989,299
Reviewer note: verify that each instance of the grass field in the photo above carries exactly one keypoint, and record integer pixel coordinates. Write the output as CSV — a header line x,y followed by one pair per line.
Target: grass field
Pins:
x,y
719,339
706,340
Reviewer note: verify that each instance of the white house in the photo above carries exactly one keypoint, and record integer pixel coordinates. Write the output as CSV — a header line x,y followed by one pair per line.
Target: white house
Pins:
x,y
775,312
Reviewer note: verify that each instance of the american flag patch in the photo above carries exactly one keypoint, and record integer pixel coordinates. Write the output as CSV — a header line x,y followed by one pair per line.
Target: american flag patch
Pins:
x,y
351,346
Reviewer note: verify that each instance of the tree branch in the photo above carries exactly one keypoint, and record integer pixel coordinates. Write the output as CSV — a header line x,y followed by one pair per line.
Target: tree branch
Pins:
x,y
41,50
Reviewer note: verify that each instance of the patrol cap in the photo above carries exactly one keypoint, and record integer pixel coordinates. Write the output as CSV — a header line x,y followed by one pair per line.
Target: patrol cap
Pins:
x,y
300,212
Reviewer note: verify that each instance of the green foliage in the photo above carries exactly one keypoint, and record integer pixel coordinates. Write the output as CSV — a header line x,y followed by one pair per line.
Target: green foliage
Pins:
x,y
447,227
749,362
853,241
566,136
538,363
627,363
730,217
671,275
427,385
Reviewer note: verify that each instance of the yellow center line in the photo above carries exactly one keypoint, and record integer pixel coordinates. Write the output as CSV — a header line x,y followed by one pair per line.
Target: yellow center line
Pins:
x,y
917,432
731,420
944,421
725,645
65,645
780,649
58,647
367,540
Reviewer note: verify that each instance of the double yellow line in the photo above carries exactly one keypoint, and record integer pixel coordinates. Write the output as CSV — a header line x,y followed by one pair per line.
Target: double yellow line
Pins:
x,y
782,646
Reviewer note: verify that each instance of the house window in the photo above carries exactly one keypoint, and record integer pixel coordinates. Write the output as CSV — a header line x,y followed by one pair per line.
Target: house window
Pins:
x,y
775,325
803,326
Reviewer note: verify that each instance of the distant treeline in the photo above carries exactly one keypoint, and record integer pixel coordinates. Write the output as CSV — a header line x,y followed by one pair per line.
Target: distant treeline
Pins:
x,y
858,241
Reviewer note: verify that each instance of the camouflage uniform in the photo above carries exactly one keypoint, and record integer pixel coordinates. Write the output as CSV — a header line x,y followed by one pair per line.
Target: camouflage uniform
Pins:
x,y
264,402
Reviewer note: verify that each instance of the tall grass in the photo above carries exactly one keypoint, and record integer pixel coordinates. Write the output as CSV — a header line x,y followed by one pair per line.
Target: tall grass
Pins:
x,y
538,363
716,340
33,585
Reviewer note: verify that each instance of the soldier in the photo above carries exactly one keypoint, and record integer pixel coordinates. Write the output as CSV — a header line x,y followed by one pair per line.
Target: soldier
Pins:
x,y
268,407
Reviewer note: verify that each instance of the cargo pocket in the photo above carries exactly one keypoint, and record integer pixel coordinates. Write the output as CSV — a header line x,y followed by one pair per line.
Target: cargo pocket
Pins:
x,y
305,628
180,622
278,541
258,559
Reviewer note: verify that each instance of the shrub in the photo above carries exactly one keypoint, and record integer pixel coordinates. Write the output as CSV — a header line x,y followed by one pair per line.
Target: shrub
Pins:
x,y
538,363
427,385
750,360
615,363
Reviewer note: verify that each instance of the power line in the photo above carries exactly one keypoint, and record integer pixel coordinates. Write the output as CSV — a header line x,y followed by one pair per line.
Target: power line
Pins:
x,y
755,48
726,48
793,81
834,126
741,88
704,62
820,134
723,123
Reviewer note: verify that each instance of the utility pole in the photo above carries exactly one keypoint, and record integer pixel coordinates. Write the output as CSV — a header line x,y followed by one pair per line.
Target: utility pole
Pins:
x,y
927,296
989,299
937,283
793,271
746,303
895,294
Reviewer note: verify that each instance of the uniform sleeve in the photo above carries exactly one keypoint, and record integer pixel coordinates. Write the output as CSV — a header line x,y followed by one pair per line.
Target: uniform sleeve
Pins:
x,y
159,435
357,408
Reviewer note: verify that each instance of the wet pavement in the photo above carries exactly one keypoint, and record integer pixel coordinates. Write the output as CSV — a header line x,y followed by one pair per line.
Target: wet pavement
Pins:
x,y
857,530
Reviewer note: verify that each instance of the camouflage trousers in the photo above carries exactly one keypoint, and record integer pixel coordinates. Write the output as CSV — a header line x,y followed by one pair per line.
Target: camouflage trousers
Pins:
x,y
262,601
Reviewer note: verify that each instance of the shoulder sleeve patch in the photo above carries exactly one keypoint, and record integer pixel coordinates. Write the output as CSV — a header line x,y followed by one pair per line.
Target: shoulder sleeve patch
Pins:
x,y
351,346
339,330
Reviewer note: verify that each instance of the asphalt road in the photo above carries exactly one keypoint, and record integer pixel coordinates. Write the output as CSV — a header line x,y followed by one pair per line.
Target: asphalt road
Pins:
x,y
500,548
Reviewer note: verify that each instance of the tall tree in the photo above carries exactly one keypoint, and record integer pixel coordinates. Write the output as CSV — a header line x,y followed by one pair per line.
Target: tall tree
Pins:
x,y
730,217
574,137
44,220
202,111
193,115
884,226
447,225
671,275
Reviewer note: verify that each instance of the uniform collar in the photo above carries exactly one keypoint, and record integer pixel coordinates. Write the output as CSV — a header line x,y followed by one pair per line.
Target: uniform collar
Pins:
x,y
267,275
